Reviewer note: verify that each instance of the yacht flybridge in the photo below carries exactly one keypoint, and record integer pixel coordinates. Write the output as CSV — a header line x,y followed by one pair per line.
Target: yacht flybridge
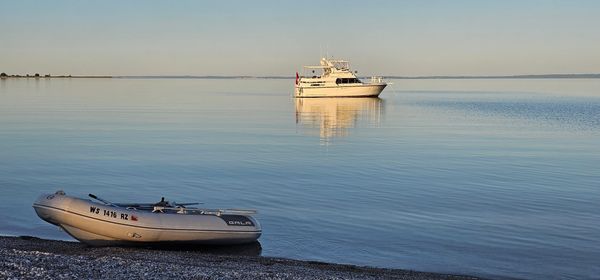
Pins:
x,y
336,80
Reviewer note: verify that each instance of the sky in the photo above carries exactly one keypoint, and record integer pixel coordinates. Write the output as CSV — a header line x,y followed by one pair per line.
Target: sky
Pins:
x,y
405,38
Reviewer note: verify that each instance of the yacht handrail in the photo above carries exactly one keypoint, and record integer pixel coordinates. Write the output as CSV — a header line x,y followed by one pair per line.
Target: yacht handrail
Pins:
x,y
317,66
376,79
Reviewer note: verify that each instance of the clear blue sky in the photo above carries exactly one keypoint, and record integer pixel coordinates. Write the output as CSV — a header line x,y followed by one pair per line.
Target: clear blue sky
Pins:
x,y
420,37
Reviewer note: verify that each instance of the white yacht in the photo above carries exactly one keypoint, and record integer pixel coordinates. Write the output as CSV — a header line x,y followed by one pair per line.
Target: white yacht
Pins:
x,y
336,80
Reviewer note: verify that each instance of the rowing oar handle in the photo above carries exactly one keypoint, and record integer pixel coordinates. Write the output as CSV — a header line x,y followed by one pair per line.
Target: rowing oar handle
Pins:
x,y
102,200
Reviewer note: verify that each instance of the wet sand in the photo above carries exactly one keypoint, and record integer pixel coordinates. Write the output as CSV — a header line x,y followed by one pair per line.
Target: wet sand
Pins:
x,y
29,257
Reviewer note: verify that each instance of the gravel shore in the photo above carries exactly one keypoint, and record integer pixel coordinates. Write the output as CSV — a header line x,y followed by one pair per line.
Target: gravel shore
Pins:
x,y
28,258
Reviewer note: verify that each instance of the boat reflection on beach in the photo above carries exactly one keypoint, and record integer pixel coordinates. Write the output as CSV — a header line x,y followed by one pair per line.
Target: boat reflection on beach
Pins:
x,y
334,117
249,249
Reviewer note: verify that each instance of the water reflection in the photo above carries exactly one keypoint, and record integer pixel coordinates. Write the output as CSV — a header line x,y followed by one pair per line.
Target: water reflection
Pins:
x,y
333,117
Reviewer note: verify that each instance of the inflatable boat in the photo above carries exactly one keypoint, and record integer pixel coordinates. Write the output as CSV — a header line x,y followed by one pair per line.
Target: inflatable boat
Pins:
x,y
101,223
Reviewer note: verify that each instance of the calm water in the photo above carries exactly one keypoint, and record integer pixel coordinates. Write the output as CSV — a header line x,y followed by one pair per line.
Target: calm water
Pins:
x,y
498,178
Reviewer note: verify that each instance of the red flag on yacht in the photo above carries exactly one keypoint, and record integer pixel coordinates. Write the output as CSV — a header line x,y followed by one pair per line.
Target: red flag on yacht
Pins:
x,y
297,77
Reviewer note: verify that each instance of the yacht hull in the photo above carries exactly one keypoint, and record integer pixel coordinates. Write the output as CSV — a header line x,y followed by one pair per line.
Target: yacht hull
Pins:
x,y
361,90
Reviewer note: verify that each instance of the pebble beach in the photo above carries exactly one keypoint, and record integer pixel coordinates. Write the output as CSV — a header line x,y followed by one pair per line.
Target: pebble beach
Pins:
x,y
34,258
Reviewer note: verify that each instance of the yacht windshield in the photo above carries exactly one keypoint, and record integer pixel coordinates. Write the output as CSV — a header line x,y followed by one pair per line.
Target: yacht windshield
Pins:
x,y
347,81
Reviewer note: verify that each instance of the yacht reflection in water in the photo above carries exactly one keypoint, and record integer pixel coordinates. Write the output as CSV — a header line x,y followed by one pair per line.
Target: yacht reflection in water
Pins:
x,y
333,117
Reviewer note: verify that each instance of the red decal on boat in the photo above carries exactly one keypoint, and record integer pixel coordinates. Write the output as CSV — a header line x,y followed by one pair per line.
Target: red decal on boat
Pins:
x,y
133,217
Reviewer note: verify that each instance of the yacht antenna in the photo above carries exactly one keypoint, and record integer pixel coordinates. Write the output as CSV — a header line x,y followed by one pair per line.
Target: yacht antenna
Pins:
x,y
320,51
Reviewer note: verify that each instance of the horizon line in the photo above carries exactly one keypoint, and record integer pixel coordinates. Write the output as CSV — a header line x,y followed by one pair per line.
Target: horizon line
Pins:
x,y
515,76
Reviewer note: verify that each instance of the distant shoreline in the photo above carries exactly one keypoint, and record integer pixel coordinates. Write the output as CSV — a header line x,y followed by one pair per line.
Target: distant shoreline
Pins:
x,y
540,76
54,77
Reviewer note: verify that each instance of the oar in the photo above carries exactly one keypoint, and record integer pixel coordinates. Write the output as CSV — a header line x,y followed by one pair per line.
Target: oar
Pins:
x,y
187,204
102,200
151,205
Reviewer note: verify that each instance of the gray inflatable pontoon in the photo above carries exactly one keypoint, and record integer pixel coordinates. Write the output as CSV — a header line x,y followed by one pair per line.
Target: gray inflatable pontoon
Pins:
x,y
105,224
